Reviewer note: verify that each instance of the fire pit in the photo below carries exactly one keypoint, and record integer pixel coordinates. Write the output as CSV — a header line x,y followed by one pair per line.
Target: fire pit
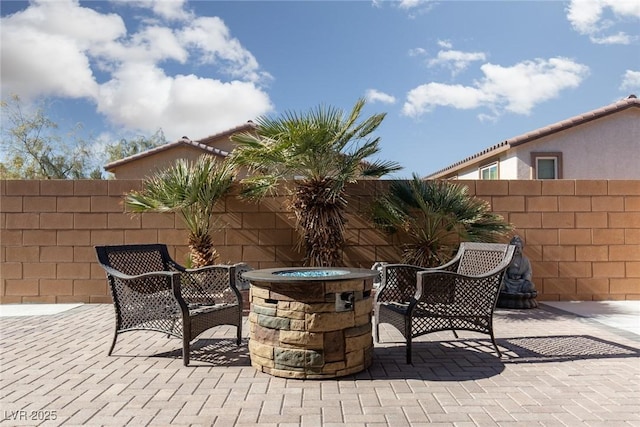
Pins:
x,y
310,323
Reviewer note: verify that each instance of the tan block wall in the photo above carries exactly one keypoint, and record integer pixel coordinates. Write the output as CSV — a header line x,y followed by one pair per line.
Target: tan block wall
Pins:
x,y
582,237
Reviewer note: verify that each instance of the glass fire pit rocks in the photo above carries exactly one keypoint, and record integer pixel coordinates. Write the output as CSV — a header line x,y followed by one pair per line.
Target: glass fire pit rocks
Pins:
x,y
311,323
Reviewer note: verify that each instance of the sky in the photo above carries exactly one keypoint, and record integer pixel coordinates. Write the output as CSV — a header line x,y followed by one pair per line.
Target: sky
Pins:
x,y
453,77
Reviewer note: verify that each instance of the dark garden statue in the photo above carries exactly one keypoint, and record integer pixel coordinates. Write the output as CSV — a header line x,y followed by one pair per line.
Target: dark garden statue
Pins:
x,y
518,291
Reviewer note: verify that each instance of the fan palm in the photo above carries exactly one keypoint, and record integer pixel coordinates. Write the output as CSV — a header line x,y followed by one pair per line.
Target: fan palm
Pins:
x,y
321,151
431,218
190,190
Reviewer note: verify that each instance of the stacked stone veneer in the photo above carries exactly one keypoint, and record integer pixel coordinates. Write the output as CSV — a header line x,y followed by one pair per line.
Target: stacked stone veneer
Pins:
x,y
296,331
582,237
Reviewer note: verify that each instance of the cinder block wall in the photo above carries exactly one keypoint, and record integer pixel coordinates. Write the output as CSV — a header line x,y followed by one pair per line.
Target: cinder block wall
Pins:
x,y
582,237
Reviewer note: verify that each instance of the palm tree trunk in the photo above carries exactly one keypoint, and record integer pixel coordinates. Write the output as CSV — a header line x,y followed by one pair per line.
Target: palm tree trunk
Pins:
x,y
202,251
321,221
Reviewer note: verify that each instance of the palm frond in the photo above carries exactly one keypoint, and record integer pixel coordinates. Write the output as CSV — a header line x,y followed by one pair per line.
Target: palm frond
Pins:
x,y
191,191
320,151
431,218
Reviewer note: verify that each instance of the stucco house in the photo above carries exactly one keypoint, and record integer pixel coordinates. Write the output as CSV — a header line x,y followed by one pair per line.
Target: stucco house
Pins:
x,y
599,144
146,163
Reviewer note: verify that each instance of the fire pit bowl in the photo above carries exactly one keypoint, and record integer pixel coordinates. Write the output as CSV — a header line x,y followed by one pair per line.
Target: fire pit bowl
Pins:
x,y
310,323
310,273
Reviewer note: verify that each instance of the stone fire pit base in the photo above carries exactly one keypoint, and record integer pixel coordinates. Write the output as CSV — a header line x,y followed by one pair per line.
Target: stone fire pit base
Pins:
x,y
311,328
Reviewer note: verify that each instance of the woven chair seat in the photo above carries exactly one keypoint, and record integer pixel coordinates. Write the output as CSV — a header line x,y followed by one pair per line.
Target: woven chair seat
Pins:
x,y
436,310
195,309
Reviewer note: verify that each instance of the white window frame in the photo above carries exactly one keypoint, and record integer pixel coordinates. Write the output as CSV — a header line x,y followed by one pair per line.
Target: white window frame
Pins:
x,y
489,167
555,156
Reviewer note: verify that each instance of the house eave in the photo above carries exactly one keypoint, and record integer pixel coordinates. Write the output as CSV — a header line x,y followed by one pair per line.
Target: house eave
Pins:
x,y
476,158
629,102
201,144
186,143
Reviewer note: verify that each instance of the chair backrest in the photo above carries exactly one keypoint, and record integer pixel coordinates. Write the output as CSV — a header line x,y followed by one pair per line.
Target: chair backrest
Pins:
x,y
135,259
480,258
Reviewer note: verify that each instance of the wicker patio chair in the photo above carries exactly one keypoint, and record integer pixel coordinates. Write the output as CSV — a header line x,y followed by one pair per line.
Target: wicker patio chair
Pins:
x,y
152,292
459,295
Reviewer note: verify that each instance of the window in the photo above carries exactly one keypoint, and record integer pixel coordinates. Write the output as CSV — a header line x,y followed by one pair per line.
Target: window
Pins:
x,y
546,168
546,165
489,171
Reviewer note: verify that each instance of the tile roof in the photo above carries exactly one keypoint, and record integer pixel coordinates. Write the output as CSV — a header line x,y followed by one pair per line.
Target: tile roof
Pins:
x,y
249,125
630,101
201,144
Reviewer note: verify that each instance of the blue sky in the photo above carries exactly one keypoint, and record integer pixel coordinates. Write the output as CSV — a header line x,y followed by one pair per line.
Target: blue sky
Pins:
x,y
454,77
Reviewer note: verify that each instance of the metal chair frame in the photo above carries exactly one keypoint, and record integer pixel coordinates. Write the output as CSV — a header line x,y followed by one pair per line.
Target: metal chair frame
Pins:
x,y
152,292
459,295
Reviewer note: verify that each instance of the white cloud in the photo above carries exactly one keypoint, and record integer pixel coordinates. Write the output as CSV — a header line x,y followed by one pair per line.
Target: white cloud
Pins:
x,y
630,80
620,38
516,89
60,48
402,4
425,97
584,15
166,9
143,97
445,44
44,54
587,17
66,18
212,37
153,44
418,51
415,7
54,66
456,60
373,95
409,4
521,87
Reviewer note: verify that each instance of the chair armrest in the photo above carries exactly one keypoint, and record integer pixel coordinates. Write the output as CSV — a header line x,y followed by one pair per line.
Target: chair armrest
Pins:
x,y
398,283
154,290
207,268
213,284
123,276
445,287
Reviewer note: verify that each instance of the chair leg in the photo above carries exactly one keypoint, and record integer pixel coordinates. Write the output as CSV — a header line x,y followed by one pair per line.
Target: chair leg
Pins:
x,y
186,340
407,334
239,333
113,343
495,344
185,352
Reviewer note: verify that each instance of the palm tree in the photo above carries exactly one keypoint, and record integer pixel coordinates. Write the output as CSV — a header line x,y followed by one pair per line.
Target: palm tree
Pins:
x,y
431,218
320,151
191,190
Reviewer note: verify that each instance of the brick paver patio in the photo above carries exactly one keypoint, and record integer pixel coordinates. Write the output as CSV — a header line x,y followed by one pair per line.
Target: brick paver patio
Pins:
x,y
557,369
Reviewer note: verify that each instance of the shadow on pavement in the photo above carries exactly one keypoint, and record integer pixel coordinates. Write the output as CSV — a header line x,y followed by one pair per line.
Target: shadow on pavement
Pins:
x,y
216,352
471,359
